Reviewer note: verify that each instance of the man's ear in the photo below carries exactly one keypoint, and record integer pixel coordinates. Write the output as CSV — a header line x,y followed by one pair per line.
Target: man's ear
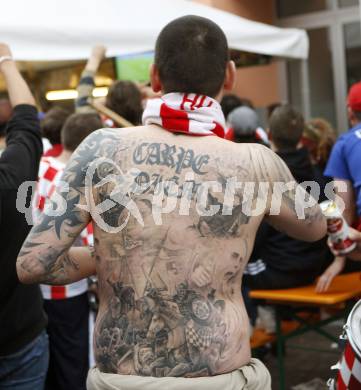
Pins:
x,y
230,79
154,78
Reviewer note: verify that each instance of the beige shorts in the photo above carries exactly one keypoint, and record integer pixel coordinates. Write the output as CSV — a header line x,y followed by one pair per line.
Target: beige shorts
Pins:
x,y
253,376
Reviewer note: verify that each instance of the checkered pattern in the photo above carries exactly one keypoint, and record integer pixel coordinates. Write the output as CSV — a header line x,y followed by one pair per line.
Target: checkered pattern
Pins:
x,y
349,376
50,173
200,338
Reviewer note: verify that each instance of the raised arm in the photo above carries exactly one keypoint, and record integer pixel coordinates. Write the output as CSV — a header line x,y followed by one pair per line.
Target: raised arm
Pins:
x,y
86,83
18,90
290,208
20,160
45,256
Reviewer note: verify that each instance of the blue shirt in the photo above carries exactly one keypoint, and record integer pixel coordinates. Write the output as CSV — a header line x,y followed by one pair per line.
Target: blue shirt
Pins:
x,y
345,161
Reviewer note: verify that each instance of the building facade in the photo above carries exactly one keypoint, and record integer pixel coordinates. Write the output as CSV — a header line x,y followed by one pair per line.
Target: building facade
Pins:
x,y
317,86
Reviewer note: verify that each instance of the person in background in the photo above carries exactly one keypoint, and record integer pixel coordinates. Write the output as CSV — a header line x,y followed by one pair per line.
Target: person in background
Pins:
x,y
51,126
230,101
318,138
23,341
66,306
5,115
124,97
278,260
271,107
343,167
345,160
334,269
340,261
244,127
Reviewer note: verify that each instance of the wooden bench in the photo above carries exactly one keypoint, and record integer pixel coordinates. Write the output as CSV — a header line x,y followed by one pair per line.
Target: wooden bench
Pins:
x,y
260,337
343,292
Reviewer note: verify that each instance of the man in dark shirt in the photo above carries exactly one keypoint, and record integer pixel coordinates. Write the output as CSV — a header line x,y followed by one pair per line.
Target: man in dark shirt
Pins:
x,y
23,342
278,260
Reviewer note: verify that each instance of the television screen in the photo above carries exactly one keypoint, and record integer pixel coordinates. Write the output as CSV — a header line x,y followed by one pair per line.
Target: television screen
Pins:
x,y
134,67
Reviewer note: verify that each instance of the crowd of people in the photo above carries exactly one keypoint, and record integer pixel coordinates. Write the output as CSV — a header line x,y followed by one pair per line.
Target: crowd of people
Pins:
x,y
278,260
169,315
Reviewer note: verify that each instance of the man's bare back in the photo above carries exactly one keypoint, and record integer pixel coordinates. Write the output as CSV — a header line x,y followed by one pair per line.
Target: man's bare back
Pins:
x,y
175,218
170,278
170,302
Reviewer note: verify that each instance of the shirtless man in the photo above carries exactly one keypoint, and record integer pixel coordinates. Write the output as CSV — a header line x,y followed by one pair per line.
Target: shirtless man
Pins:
x,y
171,226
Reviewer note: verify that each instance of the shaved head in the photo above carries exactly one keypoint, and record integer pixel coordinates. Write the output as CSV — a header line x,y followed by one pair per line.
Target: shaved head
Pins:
x,y
191,55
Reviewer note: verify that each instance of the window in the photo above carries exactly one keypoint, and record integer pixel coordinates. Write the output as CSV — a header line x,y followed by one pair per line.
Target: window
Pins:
x,y
347,3
295,87
322,97
352,37
287,8
314,94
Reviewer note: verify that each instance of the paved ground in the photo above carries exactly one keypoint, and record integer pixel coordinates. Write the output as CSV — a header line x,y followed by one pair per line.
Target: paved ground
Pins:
x,y
303,366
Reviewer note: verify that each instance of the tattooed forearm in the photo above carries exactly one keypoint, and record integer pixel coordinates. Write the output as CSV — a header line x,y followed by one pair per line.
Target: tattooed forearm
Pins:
x,y
62,267
45,267
61,270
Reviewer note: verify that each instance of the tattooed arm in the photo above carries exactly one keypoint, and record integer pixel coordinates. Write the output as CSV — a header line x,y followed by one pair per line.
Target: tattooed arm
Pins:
x,y
45,256
78,263
291,209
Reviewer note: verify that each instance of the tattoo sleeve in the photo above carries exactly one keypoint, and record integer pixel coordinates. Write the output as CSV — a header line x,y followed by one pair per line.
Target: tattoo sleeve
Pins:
x,y
45,256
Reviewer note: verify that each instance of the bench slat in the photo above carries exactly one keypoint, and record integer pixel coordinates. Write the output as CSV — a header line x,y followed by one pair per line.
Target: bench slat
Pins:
x,y
343,288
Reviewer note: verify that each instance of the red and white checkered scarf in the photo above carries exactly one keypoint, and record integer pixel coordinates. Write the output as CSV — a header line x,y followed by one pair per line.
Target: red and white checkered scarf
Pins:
x,y
190,114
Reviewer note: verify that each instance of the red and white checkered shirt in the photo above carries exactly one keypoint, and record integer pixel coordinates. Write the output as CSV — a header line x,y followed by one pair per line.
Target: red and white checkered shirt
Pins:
x,y
50,172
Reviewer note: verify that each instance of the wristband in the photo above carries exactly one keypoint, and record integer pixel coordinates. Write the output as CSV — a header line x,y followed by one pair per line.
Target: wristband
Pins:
x,y
5,58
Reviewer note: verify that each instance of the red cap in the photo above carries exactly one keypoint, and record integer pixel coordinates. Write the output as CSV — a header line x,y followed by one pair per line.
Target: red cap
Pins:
x,y
354,97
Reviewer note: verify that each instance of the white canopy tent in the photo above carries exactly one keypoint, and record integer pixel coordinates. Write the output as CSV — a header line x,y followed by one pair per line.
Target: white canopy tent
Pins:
x,y
56,30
